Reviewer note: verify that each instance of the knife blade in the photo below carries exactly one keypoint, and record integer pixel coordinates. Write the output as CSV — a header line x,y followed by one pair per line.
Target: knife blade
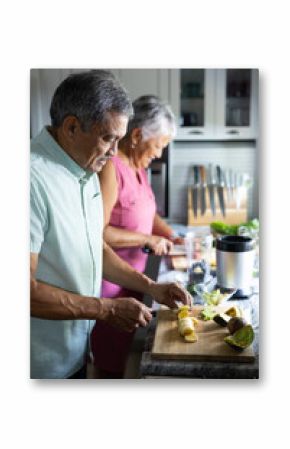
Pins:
x,y
220,189
195,189
232,185
238,189
227,186
211,187
202,189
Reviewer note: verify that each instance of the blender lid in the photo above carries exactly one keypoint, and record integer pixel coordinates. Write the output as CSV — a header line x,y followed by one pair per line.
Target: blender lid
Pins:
x,y
235,243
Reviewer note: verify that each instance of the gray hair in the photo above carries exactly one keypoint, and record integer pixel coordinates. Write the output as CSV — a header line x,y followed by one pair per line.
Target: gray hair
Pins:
x,y
89,96
153,116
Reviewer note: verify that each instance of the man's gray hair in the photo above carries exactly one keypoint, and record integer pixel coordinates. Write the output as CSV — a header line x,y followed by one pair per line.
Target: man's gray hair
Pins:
x,y
153,116
89,96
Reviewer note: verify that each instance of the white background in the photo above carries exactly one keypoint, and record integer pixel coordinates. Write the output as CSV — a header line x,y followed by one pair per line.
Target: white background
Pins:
x,y
194,413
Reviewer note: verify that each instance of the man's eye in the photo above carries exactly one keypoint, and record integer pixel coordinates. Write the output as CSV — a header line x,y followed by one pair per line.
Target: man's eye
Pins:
x,y
109,139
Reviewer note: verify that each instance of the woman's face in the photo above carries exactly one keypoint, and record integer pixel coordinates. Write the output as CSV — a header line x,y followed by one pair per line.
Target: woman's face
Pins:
x,y
150,149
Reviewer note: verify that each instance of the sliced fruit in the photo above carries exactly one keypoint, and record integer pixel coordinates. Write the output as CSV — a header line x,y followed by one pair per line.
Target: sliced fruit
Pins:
x,y
194,320
191,338
183,314
233,311
235,324
208,313
242,338
185,326
222,319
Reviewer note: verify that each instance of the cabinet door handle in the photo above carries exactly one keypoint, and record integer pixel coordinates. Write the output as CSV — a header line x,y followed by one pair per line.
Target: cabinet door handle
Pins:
x,y
195,132
233,131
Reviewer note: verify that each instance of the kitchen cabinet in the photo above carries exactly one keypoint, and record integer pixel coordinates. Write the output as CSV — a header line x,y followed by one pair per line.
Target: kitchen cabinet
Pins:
x,y
145,82
215,104
136,81
236,104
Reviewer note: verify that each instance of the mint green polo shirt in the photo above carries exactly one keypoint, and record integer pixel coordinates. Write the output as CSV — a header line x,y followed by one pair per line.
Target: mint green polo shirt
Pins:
x,y
66,228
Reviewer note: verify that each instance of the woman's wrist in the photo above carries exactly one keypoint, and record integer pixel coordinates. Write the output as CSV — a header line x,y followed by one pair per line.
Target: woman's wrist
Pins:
x,y
146,240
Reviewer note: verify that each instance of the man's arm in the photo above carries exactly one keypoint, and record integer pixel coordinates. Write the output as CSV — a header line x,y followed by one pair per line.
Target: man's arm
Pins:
x,y
119,272
54,303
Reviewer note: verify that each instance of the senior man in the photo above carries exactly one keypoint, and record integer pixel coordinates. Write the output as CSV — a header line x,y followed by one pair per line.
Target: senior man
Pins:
x,y
89,115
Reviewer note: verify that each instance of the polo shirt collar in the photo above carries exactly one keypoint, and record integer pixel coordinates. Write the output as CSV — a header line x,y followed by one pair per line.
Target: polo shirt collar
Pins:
x,y
62,157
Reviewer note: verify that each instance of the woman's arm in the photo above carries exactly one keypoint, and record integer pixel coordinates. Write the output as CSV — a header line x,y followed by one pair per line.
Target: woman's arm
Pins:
x,y
160,227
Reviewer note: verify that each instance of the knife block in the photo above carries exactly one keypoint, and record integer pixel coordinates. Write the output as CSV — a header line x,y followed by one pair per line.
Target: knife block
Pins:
x,y
233,215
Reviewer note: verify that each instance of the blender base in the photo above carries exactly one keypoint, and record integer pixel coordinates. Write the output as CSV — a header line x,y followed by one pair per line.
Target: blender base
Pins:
x,y
242,294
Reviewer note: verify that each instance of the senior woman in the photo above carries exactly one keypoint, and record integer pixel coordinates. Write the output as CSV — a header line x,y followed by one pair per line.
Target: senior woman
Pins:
x,y
131,220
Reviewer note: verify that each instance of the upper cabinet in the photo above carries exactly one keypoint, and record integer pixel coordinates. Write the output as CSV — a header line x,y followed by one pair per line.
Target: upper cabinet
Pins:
x,y
145,82
215,103
209,104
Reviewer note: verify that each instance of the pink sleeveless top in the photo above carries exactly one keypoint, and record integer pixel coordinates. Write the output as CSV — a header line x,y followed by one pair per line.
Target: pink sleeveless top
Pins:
x,y
134,210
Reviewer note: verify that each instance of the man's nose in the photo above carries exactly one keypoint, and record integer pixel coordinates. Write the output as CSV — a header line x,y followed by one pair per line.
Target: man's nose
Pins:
x,y
114,149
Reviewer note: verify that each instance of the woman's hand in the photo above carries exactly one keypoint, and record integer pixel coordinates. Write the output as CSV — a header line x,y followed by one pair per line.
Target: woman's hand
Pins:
x,y
168,294
159,245
177,240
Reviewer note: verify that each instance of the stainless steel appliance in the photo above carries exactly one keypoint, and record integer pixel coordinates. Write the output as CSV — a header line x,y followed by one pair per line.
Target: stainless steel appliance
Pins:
x,y
158,178
235,257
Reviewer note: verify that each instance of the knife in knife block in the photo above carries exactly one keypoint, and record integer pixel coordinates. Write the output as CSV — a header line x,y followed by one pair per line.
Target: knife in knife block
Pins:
x,y
233,215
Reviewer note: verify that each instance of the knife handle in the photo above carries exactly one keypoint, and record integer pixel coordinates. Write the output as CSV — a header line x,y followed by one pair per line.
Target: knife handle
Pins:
x,y
220,180
202,174
196,174
147,250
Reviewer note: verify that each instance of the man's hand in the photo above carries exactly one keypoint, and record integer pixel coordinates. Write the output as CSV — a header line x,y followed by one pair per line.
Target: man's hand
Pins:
x,y
167,294
124,313
159,245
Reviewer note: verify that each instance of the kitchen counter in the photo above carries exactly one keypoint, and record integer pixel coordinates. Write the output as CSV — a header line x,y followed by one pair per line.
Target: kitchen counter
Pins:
x,y
152,367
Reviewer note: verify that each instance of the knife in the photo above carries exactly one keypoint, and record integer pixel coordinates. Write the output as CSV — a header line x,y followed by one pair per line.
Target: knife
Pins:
x,y
227,186
211,186
238,189
220,189
232,184
195,189
202,189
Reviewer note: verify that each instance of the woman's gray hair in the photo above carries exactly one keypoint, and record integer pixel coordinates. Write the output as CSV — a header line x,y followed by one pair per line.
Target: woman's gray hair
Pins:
x,y
89,96
153,116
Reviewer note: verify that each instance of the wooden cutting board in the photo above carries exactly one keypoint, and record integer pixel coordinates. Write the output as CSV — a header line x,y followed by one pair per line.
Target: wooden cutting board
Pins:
x,y
168,343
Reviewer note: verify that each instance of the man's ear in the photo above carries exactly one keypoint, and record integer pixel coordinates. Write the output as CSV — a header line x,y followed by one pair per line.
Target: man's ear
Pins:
x,y
70,126
136,136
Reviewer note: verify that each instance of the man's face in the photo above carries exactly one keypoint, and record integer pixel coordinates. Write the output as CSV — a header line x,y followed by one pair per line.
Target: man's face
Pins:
x,y
93,148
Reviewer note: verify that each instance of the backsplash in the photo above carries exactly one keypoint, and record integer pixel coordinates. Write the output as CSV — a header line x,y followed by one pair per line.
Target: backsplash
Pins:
x,y
239,156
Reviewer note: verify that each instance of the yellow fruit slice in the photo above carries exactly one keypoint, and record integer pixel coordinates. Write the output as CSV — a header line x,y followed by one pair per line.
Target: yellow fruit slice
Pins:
x,y
190,338
183,314
194,320
233,311
185,326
